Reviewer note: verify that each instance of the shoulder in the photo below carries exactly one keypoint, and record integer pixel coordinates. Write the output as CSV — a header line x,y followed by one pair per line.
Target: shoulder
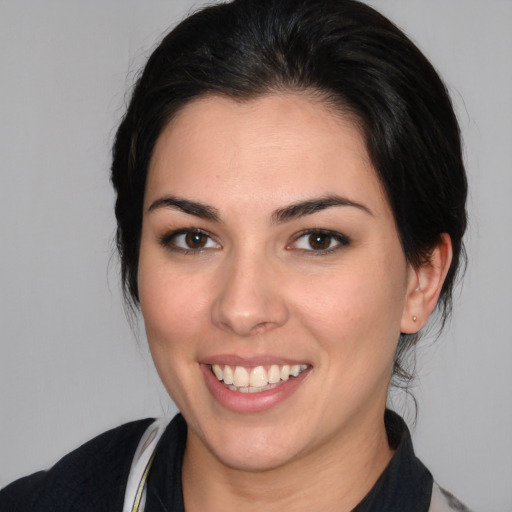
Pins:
x,y
92,477
444,501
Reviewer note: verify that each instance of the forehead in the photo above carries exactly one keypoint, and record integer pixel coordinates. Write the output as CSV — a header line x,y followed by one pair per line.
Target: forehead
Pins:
x,y
270,145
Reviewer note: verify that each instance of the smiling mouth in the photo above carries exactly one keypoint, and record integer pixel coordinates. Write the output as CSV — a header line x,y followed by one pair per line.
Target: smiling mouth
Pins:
x,y
256,379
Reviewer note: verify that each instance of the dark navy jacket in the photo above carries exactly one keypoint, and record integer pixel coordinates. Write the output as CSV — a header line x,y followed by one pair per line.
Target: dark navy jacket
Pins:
x,y
93,477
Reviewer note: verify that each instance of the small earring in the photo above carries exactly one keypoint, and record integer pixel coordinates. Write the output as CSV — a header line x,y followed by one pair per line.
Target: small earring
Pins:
x,y
414,319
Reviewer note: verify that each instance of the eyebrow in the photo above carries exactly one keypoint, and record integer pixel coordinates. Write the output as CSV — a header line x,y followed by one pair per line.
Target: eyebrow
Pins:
x,y
282,215
311,206
200,210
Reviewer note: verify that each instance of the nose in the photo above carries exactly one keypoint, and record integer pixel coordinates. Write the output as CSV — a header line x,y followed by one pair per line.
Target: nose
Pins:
x,y
249,298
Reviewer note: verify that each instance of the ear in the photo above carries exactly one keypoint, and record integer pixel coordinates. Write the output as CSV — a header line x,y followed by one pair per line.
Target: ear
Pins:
x,y
424,285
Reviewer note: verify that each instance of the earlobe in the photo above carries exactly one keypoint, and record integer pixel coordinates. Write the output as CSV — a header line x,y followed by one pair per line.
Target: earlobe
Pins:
x,y
424,286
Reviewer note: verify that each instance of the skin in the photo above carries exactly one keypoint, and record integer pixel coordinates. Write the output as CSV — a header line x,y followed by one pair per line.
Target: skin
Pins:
x,y
258,288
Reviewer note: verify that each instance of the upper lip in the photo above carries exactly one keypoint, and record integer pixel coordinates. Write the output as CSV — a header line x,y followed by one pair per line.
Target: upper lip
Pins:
x,y
261,360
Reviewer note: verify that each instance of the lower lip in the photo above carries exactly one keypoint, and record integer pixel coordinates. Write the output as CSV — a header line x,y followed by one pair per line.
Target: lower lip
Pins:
x,y
250,402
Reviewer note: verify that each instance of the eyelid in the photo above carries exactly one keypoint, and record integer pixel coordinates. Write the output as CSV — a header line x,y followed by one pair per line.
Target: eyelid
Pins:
x,y
166,240
341,239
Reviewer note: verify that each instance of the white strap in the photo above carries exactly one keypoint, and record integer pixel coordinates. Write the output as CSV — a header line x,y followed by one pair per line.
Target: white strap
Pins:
x,y
443,501
143,454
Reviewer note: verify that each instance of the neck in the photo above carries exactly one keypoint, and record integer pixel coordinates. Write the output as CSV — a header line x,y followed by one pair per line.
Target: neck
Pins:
x,y
335,476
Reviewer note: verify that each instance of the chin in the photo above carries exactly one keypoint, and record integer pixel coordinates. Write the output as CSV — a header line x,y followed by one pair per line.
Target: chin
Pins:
x,y
268,458
254,449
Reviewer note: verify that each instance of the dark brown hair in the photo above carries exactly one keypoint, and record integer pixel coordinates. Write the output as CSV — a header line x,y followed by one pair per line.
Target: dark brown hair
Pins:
x,y
356,59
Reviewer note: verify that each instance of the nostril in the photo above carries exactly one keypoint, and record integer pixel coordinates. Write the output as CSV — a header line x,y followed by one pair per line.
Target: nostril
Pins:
x,y
249,301
250,318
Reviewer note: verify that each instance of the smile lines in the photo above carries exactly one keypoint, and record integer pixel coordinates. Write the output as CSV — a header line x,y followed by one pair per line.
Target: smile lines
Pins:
x,y
257,379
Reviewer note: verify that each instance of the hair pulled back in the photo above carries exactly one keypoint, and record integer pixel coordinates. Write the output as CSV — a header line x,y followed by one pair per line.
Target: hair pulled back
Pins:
x,y
359,62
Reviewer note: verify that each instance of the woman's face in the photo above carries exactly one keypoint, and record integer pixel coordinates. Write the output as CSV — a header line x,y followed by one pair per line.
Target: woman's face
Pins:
x,y
268,247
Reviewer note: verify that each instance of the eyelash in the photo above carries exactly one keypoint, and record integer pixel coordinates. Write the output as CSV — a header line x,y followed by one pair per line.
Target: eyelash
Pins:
x,y
168,241
341,239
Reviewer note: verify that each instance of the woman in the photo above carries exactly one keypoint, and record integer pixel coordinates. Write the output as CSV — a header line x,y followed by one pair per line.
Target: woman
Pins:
x,y
290,207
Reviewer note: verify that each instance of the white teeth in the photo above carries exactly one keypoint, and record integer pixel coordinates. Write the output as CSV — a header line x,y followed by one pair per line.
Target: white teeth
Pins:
x,y
241,377
295,370
285,372
218,371
274,374
256,379
228,375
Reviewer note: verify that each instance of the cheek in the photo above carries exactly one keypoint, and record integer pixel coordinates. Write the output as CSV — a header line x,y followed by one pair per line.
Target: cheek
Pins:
x,y
172,307
171,304
357,307
174,315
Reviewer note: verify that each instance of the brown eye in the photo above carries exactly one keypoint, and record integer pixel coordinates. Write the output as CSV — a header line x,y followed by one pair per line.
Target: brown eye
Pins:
x,y
196,240
319,241
189,241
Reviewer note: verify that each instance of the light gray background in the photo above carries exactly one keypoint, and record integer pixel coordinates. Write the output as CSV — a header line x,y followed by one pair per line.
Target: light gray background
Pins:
x,y
70,366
